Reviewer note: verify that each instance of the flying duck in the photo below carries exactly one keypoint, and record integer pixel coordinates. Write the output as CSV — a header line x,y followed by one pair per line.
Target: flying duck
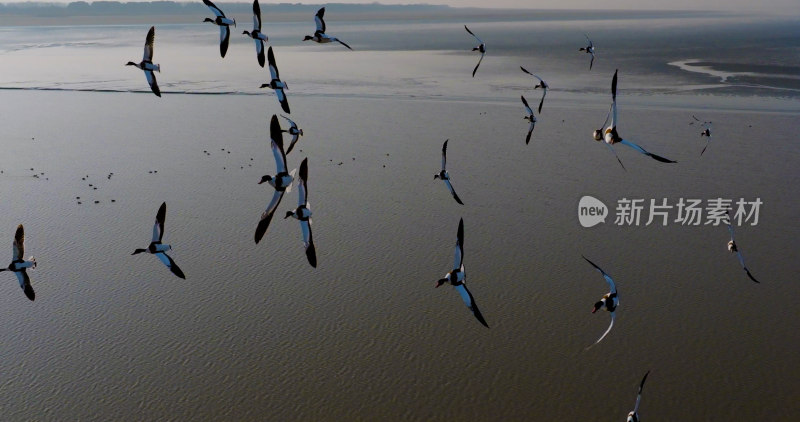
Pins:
x,y
19,264
481,47
147,62
733,248
633,416
224,26
294,131
159,249
319,35
705,132
457,277
445,176
609,302
610,134
542,84
257,35
303,213
529,117
282,181
589,49
276,82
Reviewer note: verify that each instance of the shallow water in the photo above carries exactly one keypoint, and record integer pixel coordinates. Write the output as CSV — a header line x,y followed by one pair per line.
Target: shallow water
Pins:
x,y
255,333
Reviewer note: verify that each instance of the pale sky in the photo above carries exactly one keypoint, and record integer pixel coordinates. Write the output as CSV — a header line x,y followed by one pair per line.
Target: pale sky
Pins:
x,y
791,7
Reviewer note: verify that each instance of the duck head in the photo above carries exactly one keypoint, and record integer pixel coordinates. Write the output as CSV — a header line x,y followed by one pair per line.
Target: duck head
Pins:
x,y
265,86
246,33
131,64
598,305
441,281
138,251
308,38
208,20
265,178
288,214
598,134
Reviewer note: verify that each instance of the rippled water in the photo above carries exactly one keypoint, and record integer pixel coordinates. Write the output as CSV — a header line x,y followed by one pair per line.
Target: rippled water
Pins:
x,y
255,333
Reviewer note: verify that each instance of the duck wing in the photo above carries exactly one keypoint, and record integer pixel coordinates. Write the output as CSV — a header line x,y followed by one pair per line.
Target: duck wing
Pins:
x,y
148,44
25,283
170,263
466,296
18,250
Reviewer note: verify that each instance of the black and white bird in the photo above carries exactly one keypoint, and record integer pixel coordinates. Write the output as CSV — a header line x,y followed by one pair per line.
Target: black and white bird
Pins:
x,y
293,130
445,176
258,37
529,117
633,416
542,84
19,265
733,248
147,62
481,48
319,35
159,249
276,83
588,49
611,136
282,181
608,302
224,24
457,277
303,213
705,132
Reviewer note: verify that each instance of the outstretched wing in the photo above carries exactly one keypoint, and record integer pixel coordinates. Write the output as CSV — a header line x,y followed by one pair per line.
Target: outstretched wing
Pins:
x,y
302,190
25,283
158,227
613,316
444,155
527,107
256,16
477,65
319,20
273,67
466,296
530,132
476,37
452,191
343,43
276,135
19,244
645,152
587,39
151,80
614,100
591,62
308,241
281,94
541,102
148,44
266,216
224,37
605,275
216,10
459,254
170,263
639,394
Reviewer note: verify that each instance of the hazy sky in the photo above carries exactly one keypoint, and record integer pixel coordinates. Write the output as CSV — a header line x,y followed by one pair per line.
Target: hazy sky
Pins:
x,y
764,6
